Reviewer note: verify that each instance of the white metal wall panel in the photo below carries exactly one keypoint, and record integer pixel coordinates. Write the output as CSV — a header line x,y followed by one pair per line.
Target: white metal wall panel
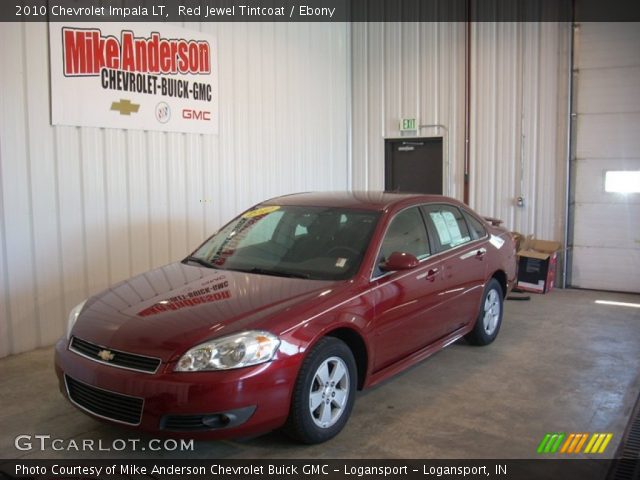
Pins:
x,y
608,134
609,271
606,45
606,229
406,70
605,90
518,117
518,124
618,228
83,208
18,226
5,327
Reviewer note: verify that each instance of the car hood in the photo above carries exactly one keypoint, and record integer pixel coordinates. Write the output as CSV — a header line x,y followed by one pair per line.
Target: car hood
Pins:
x,y
165,311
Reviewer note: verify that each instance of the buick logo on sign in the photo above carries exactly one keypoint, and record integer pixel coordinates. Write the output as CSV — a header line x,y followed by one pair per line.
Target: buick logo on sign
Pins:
x,y
106,355
163,112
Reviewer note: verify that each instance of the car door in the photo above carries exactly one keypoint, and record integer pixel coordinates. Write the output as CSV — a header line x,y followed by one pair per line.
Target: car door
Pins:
x,y
463,263
405,301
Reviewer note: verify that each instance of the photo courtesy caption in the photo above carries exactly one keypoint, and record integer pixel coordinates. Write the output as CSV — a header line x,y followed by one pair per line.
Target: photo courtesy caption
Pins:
x,y
216,469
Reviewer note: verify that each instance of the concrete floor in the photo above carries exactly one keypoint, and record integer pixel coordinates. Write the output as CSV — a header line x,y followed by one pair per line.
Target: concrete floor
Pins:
x,y
561,363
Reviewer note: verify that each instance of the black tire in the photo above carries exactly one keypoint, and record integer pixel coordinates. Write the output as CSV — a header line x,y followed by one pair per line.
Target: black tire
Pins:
x,y
303,423
484,332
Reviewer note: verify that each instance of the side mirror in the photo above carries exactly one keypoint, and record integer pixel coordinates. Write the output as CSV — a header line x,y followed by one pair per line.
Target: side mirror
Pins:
x,y
400,261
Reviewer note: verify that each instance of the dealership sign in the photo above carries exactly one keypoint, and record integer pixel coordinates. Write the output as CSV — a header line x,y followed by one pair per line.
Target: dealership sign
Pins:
x,y
133,76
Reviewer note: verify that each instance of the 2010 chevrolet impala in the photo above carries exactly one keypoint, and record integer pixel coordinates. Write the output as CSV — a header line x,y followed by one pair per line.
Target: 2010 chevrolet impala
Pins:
x,y
277,319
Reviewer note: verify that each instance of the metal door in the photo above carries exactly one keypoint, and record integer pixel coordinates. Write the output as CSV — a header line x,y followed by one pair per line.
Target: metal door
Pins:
x,y
414,165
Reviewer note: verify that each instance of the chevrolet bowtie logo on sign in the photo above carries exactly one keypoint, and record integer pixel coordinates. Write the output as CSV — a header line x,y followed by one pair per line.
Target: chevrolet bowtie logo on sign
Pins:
x,y
574,443
125,107
106,355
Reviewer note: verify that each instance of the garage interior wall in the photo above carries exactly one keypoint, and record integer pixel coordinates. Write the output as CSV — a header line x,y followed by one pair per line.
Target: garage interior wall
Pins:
x,y
519,111
413,70
83,208
519,86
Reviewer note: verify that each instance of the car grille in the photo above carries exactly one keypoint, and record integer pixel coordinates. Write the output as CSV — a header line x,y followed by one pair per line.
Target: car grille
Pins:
x,y
105,404
120,359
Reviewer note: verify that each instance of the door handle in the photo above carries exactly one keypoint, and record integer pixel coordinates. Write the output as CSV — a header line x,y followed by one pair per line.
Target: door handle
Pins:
x,y
480,253
431,274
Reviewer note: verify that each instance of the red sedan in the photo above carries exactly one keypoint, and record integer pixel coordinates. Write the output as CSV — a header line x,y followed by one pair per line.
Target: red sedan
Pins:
x,y
277,319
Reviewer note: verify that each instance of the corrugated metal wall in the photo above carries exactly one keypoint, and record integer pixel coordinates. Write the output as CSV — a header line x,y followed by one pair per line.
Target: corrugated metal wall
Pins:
x,y
83,208
518,116
407,70
519,88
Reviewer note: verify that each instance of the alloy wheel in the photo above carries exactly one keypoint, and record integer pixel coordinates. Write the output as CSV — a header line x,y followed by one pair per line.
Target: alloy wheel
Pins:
x,y
329,392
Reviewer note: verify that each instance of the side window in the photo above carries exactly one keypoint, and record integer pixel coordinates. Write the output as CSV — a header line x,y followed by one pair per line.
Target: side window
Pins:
x,y
449,225
406,233
476,229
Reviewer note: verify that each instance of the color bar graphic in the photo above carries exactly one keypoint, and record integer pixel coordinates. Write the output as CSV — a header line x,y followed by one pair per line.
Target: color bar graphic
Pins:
x,y
573,443
550,443
598,443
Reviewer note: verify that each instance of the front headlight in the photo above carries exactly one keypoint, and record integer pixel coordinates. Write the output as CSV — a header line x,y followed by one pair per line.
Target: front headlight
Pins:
x,y
73,316
235,351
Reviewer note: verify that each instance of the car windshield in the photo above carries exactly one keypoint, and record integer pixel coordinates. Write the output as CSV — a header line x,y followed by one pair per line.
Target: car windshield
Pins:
x,y
305,242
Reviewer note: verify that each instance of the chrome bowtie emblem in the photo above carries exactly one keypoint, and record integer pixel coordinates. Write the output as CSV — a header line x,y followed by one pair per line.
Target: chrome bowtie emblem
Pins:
x,y
106,355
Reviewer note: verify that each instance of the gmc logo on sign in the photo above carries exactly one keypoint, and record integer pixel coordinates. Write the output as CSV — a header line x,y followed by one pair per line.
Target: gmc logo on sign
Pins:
x,y
189,114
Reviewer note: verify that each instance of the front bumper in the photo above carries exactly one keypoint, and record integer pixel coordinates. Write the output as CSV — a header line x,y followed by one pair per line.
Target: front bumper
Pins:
x,y
224,404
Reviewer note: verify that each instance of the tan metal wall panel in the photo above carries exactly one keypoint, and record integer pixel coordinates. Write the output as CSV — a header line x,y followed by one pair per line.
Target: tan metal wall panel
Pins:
x,y
83,208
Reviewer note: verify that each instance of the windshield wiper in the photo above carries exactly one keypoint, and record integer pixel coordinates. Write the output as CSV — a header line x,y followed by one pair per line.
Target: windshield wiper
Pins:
x,y
275,273
201,261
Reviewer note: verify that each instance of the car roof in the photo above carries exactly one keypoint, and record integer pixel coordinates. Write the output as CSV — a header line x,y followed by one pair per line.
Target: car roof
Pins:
x,y
370,200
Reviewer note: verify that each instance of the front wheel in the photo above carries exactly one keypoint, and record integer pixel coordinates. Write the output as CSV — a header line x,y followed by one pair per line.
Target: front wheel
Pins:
x,y
324,392
490,316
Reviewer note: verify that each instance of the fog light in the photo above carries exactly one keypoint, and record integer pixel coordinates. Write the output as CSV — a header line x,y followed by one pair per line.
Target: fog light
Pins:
x,y
216,421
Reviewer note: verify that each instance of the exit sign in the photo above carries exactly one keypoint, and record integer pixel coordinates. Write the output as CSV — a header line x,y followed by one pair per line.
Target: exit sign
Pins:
x,y
408,125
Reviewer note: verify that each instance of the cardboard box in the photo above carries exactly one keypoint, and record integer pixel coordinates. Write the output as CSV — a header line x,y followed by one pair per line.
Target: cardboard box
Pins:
x,y
517,237
537,261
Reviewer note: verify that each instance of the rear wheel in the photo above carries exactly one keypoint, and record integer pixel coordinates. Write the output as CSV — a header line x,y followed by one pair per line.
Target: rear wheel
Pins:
x,y
324,392
490,316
